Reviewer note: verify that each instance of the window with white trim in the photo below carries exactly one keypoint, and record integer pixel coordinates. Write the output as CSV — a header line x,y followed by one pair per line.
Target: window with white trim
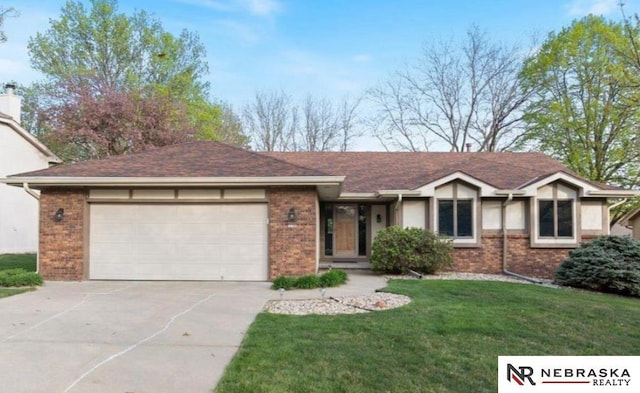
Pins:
x,y
555,218
455,217
556,206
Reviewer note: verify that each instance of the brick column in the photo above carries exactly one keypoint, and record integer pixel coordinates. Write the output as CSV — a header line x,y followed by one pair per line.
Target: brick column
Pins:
x,y
292,245
62,245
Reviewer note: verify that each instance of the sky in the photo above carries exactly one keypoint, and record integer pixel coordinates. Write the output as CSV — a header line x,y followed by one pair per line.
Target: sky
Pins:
x,y
327,48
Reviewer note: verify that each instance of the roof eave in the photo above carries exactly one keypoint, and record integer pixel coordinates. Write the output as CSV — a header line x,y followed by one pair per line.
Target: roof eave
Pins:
x,y
59,181
396,193
614,193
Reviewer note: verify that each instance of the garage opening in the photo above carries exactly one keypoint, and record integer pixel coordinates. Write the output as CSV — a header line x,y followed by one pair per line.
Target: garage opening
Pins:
x,y
178,241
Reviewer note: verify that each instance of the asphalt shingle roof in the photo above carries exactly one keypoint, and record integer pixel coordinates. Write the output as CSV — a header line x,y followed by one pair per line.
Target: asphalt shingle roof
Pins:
x,y
194,159
364,171
372,171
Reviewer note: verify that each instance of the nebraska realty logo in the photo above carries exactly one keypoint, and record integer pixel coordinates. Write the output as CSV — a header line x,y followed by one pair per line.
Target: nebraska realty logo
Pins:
x,y
568,374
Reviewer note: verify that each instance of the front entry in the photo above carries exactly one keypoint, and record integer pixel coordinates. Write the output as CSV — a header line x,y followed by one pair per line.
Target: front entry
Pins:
x,y
345,230
346,227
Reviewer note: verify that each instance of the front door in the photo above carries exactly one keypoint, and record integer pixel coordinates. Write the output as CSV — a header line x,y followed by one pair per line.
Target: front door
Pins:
x,y
345,230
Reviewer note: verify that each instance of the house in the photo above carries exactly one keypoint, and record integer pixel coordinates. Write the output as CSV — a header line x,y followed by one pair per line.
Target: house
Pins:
x,y
19,152
209,211
629,224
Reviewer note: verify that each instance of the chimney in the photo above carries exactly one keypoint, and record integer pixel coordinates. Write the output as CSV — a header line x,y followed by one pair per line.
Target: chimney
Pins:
x,y
10,103
468,147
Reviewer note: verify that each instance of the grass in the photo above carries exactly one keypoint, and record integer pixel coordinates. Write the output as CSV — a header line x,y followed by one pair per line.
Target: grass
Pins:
x,y
6,292
448,338
16,261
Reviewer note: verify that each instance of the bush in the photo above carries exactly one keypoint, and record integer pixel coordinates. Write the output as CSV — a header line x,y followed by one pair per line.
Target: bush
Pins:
x,y
332,278
607,264
283,282
396,250
307,282
19,278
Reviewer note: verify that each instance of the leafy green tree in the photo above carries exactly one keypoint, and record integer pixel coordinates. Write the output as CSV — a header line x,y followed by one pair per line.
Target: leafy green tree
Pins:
x,y
584,110
97,56
5,12
105,49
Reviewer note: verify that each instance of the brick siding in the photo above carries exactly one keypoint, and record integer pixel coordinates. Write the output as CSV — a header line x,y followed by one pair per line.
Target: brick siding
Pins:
x,y
521,259
62,243
292,246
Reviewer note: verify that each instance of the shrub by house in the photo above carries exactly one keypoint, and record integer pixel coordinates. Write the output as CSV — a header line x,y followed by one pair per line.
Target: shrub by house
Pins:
x,y
607,264
397,250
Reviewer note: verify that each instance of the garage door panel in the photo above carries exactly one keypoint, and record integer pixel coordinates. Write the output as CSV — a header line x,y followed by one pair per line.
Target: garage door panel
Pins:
x,y
178,242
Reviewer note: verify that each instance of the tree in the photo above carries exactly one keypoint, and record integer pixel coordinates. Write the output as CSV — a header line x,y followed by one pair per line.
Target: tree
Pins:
x,y
326,126
98,56
584,110
5,12
107,50
276,123
456,95
115,122
271,121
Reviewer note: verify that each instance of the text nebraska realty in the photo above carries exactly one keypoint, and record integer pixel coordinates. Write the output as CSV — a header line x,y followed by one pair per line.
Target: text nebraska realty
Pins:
x,y
592,376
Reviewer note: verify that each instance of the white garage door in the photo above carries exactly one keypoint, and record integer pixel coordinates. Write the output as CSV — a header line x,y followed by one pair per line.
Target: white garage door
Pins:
x,y
178,242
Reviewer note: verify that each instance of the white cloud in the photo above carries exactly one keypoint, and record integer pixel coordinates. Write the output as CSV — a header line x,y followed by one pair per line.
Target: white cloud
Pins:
x,y
361,58
596,7
262,7
238,30
308,71
211,4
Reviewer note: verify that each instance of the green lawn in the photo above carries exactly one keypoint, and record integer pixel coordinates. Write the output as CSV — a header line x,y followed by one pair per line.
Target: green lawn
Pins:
x,y
14,261
447,340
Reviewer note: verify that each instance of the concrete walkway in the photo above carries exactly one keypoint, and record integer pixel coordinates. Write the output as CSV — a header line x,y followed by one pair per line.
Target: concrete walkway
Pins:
x,y
113,336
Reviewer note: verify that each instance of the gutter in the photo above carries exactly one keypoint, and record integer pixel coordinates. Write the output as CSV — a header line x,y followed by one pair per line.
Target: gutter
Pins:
x,y
505,239
43,181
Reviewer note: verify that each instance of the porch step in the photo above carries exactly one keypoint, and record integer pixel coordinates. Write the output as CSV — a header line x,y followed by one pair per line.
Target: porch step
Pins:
x,y
345,265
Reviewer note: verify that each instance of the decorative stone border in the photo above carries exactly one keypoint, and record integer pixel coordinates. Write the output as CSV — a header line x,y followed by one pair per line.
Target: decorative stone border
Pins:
x,y
338,305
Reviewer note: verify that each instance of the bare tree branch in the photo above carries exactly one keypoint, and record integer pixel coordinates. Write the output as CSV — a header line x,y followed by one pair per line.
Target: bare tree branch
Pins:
x,y
454,94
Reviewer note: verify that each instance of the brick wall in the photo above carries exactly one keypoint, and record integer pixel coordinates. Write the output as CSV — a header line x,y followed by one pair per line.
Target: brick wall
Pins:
x,y
62,243
292,246
521,259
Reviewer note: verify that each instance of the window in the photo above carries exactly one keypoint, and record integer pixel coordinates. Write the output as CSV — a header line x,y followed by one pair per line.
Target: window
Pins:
x,y
555,218
455,217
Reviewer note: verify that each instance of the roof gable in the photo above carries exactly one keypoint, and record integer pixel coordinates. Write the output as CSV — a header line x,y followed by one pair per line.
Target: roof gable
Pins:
x,y
10,123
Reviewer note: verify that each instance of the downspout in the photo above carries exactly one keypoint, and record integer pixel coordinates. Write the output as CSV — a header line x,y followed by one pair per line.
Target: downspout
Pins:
x,y
613,207
505,244
29,191
397,208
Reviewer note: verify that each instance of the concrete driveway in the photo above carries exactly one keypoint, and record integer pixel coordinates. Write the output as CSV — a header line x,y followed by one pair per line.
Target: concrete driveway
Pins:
x,y
136,337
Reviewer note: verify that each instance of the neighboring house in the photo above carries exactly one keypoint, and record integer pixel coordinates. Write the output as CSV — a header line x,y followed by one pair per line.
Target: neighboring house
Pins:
x,y
209,211
629,224
19,152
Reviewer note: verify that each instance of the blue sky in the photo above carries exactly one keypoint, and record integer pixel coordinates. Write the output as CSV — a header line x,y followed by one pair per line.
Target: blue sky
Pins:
x,y
329,48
